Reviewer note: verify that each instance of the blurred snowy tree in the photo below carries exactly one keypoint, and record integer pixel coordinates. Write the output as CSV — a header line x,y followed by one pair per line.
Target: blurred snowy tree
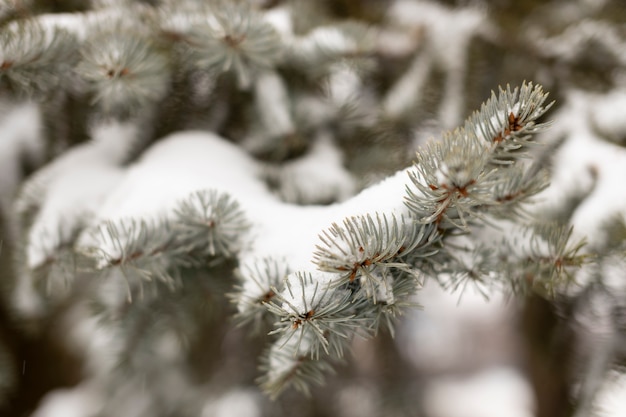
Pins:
x,y
207,203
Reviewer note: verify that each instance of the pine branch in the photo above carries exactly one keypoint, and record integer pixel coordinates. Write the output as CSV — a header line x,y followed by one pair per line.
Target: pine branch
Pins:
x,y
509,120
315,314
458,178
259,285
235,38
364,245
209,223
372,264
34,58
10,9
281,370
126,73
547,264
206,226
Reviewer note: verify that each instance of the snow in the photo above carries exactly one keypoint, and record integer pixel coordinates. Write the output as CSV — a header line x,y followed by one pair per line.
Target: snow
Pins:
x,y
312,111
186,162
259,275
282,222
586,163
303,294
281,20
607,114
317,177
344,85
325,38
72,22
272,104
573,41
611,400
448,33
80,401
393,42
406,91
172,170
20,139
71,188
494,392
285,353
238,402
85,334
80,24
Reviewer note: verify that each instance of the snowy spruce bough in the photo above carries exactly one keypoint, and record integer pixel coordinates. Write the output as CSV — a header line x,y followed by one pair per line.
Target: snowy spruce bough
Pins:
x,y
144,230
321,275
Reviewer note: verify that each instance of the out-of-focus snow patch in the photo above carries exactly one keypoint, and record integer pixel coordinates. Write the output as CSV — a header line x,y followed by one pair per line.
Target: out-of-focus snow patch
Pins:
x,y
453,333
406,91
607,115
588,163
493,392
235,403
577,38
81,401
344,85
25,299
71,188
447,35
272,104
74,23
318,177
81,24
280,18
20,139
86,335
70,201
397,43
325,38
611,400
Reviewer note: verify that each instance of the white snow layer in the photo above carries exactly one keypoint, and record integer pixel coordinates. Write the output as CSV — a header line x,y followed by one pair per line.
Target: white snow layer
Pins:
x,y
190,161
71,188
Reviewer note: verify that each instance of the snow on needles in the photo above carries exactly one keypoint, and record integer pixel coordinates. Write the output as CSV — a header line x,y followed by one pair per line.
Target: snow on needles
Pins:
x,y
71,188
186,162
